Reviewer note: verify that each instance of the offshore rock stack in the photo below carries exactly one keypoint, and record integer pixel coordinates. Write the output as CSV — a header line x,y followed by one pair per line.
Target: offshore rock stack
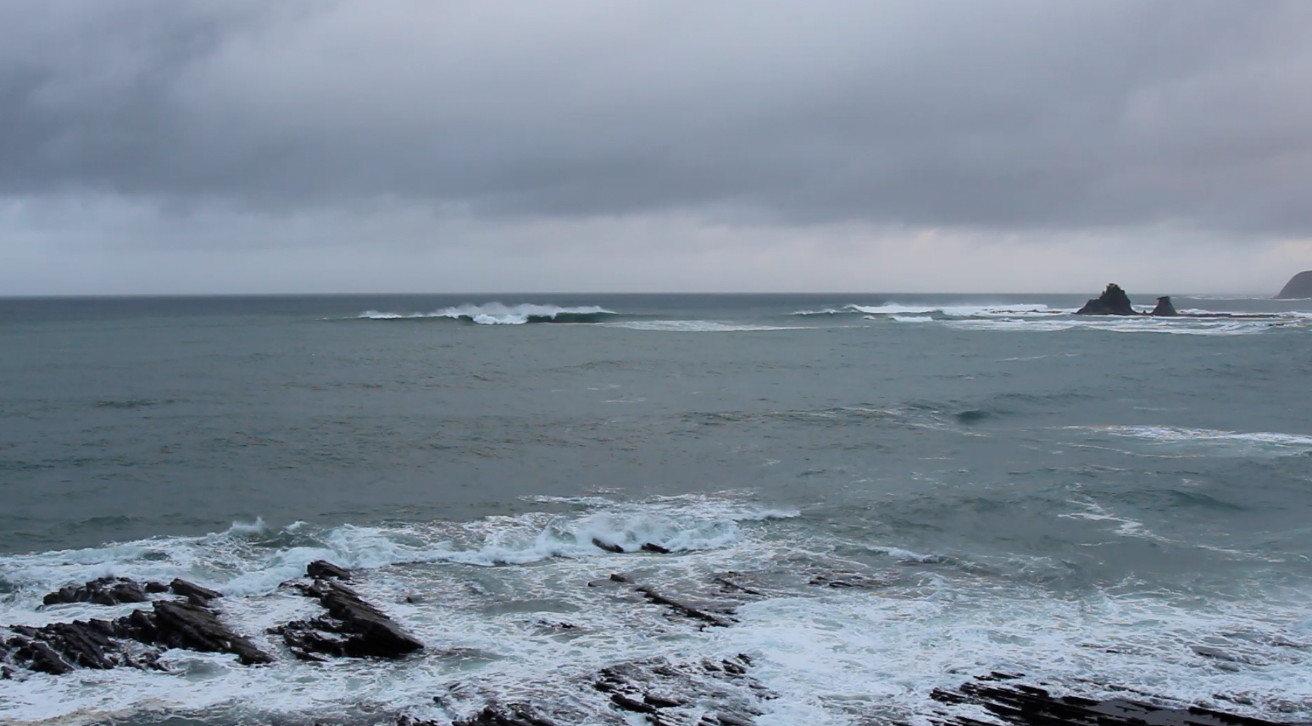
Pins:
x,y
1114,301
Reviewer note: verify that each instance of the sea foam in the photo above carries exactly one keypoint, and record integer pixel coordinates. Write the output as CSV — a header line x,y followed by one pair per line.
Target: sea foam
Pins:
x,y
499,314
696,326
492,596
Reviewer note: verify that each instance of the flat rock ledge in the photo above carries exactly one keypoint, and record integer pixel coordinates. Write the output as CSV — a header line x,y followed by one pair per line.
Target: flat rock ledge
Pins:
x,y
705,614
1015,703
352,628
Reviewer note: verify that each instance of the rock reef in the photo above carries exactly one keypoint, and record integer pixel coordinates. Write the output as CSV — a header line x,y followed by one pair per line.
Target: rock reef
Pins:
x,y
60,648
683,690
1015,703
351,628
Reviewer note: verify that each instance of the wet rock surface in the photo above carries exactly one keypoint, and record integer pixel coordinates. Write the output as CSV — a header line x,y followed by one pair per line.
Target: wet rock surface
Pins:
x,y
607,546
325,570
102,591
618,549
1011,702
60,648
193,627
847,579
192,591
352,628
717,614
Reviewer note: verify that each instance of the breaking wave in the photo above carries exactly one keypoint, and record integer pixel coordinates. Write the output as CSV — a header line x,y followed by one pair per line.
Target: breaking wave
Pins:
x,y
947,311
1189,441
499,314
1173,326
697,326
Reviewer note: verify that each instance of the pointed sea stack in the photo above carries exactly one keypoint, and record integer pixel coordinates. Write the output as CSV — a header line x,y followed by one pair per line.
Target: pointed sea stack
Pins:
x,y
1298,287
1164,308
1112,301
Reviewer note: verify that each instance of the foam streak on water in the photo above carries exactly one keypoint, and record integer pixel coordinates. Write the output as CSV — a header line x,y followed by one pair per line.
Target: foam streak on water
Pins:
x,y
499,314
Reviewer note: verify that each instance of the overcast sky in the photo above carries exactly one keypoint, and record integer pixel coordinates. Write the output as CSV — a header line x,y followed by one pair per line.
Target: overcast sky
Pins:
x,y
195,146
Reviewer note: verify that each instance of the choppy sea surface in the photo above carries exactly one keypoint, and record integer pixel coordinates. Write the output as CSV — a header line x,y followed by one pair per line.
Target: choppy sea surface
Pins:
x,y
915,489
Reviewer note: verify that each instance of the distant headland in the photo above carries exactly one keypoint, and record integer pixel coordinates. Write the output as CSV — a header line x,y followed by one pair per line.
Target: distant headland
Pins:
x,y
1299,286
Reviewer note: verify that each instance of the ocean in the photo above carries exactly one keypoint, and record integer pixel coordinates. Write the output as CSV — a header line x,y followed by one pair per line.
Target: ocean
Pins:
x,y
876,495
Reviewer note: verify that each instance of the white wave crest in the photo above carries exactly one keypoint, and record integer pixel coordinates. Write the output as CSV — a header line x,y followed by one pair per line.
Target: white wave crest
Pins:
x,y
1172,326
697,326
1178,441
252,559
949,311
1171,434
496,313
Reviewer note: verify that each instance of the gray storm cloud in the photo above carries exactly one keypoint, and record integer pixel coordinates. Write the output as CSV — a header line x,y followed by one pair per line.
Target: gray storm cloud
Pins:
x,y
1008,115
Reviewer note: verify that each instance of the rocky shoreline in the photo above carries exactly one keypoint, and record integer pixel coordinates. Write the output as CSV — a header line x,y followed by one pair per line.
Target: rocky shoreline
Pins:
x,y
660,691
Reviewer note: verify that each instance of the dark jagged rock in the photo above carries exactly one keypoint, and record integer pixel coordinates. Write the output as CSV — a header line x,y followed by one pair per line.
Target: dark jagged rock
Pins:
x,y
1164,308
38,656
325,570
630,704
193,627
607,546
59,648
653,547
1024,705
192,591
352,628
847,579
1112,301
103,591
1298,287
155,588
